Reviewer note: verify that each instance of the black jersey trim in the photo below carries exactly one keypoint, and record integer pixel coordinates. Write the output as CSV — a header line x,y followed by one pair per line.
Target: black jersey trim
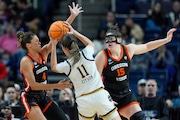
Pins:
x,y
42,58
126,52
70,67
30,57
86,57
106,51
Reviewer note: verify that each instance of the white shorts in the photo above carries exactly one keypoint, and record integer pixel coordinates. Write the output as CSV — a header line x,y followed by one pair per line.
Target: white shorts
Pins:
x,y
99,102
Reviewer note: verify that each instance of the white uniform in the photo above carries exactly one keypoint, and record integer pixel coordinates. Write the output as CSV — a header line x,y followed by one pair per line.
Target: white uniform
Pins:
x,y
90,95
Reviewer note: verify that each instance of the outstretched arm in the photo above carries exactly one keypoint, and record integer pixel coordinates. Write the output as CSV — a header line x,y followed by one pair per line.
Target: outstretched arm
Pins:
x,y
26,69
75,10
143,48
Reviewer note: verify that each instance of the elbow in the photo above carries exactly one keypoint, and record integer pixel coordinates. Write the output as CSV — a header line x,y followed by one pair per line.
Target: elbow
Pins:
x,y
35,87
91,44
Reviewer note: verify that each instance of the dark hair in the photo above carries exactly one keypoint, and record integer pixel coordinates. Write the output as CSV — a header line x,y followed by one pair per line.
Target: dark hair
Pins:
x,y
114,30
4,105
23,38
70,41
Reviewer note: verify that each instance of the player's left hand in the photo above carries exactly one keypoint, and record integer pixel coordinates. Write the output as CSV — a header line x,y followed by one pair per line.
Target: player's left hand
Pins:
x,y
53,41
170,34
71,29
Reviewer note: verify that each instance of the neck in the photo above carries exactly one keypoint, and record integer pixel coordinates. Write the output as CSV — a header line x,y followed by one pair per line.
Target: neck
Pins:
x,y
13,101
116,52
35,55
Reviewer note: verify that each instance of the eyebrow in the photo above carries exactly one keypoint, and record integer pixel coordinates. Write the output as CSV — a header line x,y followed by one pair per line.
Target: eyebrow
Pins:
x,y
11,91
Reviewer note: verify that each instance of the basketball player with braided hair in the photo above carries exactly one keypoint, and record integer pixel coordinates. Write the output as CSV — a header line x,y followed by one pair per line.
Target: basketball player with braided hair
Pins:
x,y
33,67
80,67
113,63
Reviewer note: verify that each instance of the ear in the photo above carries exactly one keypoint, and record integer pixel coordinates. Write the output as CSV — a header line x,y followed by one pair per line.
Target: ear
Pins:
x,y
28,45
119,39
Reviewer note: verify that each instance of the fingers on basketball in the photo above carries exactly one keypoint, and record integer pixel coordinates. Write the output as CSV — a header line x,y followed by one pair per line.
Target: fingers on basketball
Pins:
x,y
57,30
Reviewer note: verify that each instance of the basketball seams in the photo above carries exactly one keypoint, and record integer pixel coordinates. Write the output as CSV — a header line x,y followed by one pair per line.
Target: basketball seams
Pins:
x,y
58,30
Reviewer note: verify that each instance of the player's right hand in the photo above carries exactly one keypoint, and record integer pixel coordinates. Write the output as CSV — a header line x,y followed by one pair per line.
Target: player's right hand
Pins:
x,y
62,84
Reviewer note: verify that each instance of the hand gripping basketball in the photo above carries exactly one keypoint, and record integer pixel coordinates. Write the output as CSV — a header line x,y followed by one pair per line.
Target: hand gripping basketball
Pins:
x,y
57,30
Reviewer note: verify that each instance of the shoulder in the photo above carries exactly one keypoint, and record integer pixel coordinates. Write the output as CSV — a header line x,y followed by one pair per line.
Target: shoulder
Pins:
x,y
102,53
101,57
88,50
131,45
25,61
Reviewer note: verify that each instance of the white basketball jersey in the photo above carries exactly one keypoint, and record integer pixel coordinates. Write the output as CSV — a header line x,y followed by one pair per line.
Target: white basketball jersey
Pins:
x,y
84,74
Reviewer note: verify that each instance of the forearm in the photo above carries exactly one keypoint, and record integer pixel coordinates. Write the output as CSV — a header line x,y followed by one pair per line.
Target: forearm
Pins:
x,y
71,19
53,59
41,86
86,41
46,49
155,44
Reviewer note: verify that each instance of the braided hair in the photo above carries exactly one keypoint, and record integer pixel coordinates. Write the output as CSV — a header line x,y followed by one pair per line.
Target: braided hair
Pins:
x,y
23,38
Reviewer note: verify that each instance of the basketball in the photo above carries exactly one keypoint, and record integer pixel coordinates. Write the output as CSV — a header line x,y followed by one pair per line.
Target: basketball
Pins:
x,y
57,30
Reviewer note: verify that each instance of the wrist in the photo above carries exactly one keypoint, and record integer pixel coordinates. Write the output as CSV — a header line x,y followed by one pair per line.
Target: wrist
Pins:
x,y
74,32
73,15
56,86
53,45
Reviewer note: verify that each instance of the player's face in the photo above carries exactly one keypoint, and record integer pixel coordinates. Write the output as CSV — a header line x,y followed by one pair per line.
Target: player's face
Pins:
x,y
35,44
111,42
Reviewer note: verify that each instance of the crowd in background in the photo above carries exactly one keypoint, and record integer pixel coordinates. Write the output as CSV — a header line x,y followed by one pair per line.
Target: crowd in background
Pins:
x,y
160,16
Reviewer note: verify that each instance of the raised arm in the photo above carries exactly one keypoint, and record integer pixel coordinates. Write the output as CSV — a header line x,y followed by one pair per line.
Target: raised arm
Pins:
x,y
54,56
85,40
75,10
143,48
